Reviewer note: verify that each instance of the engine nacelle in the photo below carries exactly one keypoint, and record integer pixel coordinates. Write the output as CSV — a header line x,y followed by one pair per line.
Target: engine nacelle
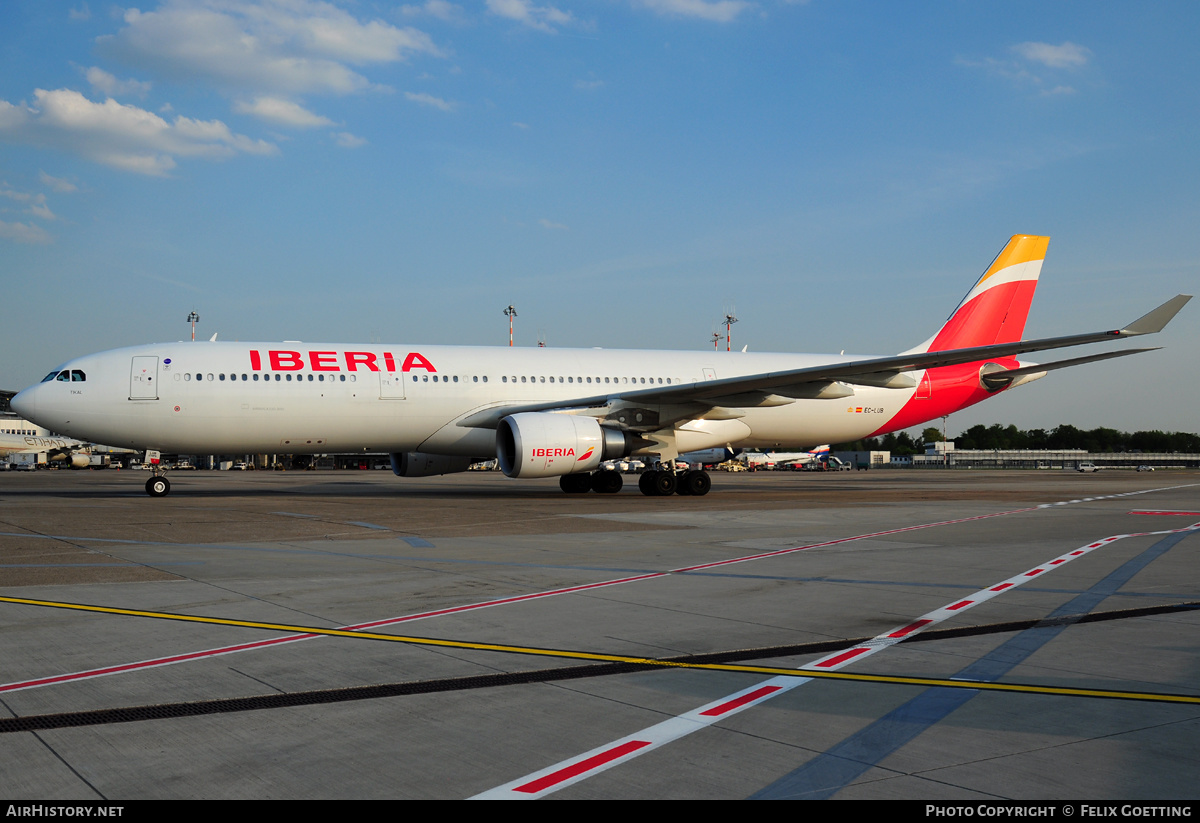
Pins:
x,y
540,444
419,464
72,459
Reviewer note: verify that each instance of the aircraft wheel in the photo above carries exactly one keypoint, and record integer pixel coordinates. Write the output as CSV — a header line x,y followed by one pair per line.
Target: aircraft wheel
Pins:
x,y
575,483
606,481
665,483
646,483
681,484
158,487
695,483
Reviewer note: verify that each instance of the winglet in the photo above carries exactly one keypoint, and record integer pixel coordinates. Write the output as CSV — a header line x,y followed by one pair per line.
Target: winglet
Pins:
x,y
1156,320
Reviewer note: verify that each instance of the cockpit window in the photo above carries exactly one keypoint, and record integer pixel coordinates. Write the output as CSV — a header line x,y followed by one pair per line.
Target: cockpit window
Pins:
x,y
50,376
64,376
77,376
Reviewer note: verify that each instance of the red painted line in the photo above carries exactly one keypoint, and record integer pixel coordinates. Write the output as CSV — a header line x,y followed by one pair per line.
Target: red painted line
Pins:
x,y
724,708
840,540
1001,587
1035,571
1077,552
1056,562
535,786
145,664
182,658
1185,514
505,601
910,628
844,656
960,604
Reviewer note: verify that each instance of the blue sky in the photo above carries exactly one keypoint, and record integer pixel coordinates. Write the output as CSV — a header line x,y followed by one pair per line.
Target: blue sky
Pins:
x,y
620,170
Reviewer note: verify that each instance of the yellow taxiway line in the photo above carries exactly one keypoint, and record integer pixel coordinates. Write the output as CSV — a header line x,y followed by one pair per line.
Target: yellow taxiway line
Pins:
x,y
1111,694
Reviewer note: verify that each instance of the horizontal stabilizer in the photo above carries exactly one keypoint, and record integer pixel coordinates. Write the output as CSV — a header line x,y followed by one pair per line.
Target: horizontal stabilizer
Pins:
x,y
993,381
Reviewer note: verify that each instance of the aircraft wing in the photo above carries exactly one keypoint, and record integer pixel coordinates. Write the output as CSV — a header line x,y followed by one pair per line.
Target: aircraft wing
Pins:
x,y
783,387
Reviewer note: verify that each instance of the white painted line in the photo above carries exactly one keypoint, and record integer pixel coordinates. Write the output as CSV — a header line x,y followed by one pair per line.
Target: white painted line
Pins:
x,y
579,768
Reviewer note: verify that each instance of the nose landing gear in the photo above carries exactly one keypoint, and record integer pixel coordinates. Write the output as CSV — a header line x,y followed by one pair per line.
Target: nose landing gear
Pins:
x,y
158,486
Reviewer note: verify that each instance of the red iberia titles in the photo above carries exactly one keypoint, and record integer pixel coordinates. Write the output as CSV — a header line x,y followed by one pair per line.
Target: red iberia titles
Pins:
x,y
553,452
351,361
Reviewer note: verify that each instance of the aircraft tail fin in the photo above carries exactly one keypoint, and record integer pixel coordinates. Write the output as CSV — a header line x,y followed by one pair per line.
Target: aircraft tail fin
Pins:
x,y
995,309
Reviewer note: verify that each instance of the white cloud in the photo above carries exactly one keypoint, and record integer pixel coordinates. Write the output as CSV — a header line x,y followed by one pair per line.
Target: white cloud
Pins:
x,y
36,202
519,125
1066,56
348,141
440,9
1037,65
43,211
121,136
273,46
547,224
13,194
79,14
105,83
542,18
57,183
281,112
429,100
716,11
24,232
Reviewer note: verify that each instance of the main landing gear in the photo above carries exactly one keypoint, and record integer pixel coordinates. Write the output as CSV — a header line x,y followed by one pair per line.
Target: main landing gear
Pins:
x,y
654,483
604,481
659,483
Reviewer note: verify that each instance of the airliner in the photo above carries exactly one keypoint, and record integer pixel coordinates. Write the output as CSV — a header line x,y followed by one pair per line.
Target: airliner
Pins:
x,y
552,412
22,437
789,459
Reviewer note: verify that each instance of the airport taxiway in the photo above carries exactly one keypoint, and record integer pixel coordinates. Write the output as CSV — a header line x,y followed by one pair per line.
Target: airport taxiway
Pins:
x,y
1080,588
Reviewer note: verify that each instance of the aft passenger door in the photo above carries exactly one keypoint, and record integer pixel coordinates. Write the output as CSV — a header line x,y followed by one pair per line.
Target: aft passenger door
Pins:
x,y
143,378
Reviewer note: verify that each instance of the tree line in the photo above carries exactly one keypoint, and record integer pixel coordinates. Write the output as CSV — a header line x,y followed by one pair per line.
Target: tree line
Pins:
x,y
1064,436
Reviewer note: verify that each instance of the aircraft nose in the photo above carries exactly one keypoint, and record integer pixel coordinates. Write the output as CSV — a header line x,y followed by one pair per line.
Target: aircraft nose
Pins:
x,y
23,403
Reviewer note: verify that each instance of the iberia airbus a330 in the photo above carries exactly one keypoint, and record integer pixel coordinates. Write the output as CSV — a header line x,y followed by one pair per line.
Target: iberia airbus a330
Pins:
x,y
551,412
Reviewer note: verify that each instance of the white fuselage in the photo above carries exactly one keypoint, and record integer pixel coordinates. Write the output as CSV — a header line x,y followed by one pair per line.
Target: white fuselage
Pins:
x,y
318,398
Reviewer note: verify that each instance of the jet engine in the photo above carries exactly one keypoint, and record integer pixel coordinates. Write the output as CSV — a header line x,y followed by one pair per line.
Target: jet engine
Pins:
x,y
540,444
72,459
419,464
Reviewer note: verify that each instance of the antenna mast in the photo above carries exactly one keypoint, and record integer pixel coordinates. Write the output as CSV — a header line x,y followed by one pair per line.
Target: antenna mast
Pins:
x,y
511,312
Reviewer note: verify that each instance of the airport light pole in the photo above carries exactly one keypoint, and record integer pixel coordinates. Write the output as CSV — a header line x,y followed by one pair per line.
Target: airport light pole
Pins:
x,y
193,318
945,453
729,321
511,312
